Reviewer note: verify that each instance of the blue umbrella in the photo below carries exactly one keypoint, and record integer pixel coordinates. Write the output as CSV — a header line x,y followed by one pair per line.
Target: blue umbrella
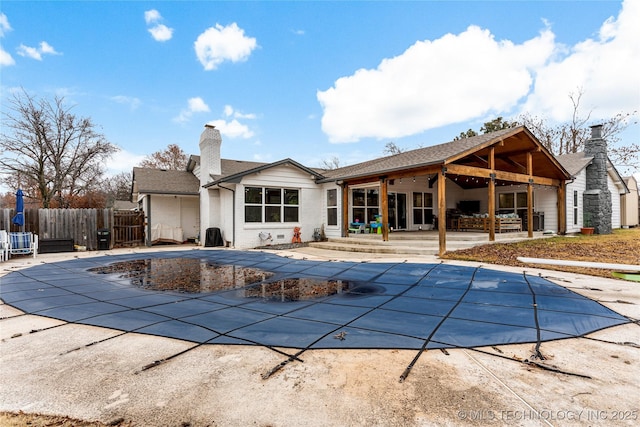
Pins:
x,y
18,219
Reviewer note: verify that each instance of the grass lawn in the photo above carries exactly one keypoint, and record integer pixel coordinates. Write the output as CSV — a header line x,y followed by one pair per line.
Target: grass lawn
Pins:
x,y
622,247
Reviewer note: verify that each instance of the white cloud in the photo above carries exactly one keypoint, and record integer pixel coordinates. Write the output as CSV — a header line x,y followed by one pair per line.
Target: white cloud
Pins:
x,y
432,84
159,32
218,44
132,102
605,69
5,27
152,16
195,105
122,161
5,58
230,111
472,76
36,52
232,129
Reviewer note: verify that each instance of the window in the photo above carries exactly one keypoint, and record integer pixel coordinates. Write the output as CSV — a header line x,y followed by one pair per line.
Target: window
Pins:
x,y
422,208
505,201
277,204
332,207
365,204
575,207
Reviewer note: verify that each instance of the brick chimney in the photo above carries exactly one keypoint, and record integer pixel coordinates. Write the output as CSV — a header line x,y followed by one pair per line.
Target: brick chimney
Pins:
x,y
210,142
597,197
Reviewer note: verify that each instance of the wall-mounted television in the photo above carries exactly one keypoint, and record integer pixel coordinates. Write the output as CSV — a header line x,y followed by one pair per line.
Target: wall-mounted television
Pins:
x,y
468,207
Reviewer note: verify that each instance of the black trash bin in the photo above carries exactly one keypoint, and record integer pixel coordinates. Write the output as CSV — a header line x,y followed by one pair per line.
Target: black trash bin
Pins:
x,y
213,237
104,239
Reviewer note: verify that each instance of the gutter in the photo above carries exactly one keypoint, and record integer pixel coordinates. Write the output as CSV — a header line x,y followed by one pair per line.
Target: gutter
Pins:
x,y
233,226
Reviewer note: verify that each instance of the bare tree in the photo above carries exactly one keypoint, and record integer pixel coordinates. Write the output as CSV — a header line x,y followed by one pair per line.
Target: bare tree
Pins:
x,y
118,187
571,136
391,149
46,147
331,163
171,157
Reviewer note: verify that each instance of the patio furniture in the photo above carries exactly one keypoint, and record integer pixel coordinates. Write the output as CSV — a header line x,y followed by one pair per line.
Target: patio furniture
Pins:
x,y
23,243
503,222
356,227
4,245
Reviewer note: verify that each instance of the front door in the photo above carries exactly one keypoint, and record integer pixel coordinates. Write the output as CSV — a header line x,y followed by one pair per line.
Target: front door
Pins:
x,y
397,211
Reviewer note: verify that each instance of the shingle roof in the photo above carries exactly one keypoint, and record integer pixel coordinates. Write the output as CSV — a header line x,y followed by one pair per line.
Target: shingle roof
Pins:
x,y
574,162
415,158
164,181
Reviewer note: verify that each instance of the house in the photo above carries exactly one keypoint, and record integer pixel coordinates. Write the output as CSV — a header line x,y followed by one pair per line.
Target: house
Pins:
x,y
496,182
629,205
595,192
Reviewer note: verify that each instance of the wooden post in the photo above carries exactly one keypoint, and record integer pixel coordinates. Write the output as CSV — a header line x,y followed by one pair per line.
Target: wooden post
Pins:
x,y
384,203
345,210
442,214
491,203
562,215
530,195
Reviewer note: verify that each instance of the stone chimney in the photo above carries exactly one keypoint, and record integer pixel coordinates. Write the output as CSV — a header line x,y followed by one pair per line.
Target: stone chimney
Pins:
x,y
210,142
597,197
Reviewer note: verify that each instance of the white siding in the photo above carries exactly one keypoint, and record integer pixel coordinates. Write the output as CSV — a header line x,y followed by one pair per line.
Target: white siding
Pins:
x,y
579,184
311,203
616,214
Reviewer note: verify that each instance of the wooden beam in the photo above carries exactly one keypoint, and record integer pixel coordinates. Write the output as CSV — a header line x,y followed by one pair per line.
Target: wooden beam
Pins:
x,y
442,214
399,174
529,210
500,175
345,210
491,203
562,214
384,203
530,196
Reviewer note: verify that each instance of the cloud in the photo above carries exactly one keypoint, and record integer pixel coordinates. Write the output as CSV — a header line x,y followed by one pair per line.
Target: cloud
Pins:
x,y
122,161
5,58
132,102
5,27
432,84
152,16
232,129
37,52
159,32
195,105
218,44
604,68
229,112
473,76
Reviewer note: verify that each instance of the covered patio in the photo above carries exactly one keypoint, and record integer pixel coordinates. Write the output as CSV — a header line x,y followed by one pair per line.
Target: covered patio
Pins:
x,y
444,175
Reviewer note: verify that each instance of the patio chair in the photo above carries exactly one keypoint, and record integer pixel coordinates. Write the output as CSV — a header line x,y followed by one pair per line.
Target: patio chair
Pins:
x,y
4,245
23,243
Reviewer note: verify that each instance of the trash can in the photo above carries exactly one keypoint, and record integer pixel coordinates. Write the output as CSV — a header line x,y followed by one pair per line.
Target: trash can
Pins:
x,y
104,239
213,237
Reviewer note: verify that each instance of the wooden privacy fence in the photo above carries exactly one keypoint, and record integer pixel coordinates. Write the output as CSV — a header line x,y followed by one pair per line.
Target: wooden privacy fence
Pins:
x,y
81,225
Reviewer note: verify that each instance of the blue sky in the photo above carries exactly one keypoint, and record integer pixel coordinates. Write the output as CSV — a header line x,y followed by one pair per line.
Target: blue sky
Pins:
x,y
317,80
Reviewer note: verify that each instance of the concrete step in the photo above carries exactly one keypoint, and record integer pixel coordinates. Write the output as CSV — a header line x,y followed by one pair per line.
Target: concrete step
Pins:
x,y
407,243
375,248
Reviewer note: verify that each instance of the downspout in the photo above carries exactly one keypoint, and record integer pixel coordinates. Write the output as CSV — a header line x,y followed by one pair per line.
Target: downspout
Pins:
x,y
149,220
233,226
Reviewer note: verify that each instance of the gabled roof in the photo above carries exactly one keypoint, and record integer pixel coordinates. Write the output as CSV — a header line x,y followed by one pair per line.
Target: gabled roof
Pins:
x,y
511,147
574,162
233,171
164,181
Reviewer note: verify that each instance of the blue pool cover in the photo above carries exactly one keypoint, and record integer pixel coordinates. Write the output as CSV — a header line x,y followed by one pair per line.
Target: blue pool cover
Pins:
x,y
392,306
